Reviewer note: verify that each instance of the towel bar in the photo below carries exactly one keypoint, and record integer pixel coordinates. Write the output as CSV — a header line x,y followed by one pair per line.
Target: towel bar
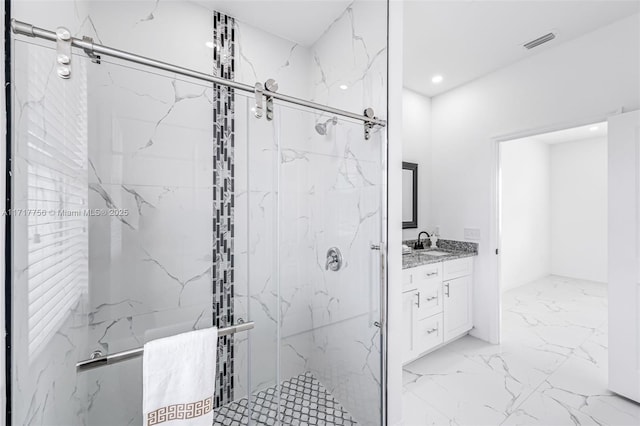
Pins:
x,y
102,360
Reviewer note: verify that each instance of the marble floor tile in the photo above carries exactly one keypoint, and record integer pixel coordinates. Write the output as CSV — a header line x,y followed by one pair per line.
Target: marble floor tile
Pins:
x,y
450,382
418,412
550,369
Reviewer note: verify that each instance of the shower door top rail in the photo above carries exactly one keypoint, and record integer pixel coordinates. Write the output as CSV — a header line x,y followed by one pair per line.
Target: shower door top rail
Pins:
x,y
98,360
93,49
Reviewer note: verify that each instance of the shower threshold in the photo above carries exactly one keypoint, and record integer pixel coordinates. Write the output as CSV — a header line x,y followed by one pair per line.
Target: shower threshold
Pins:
x,y
303,401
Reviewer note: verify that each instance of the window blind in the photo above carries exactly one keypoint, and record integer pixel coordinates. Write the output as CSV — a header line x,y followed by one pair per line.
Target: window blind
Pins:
x,y
57,197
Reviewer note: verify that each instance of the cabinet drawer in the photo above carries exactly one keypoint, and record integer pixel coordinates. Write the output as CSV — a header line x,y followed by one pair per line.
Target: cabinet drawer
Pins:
x,y
412,278
428,299
457,268
431,272
428,333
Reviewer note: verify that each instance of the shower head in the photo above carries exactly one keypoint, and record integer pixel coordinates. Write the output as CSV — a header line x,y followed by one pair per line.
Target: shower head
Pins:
x,y
321,128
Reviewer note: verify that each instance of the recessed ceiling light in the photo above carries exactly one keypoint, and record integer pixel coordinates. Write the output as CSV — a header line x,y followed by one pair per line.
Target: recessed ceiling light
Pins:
x,y
593,128
437,79
343,86
209,44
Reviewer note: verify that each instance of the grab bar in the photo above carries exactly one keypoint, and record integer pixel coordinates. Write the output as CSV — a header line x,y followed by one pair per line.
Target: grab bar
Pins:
x,y
99,360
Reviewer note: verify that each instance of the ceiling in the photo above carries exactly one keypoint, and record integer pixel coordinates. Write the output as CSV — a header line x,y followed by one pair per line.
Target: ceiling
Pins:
x,y
590,131
301,21
463,40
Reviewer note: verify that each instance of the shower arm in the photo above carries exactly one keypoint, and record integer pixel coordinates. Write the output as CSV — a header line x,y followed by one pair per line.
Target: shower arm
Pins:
x,y
98,360
93,50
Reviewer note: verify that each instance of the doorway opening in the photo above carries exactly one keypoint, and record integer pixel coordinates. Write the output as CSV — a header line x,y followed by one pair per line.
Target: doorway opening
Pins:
x,y
553,200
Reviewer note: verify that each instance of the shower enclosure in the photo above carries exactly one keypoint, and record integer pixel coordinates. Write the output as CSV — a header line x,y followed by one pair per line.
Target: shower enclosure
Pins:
x,y
166,187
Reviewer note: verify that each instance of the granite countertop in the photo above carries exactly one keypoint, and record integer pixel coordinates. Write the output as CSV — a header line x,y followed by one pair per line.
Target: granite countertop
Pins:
x,y
455,250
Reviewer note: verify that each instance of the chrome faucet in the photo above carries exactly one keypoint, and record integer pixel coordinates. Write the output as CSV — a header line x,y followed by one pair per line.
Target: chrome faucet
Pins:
x,y
418,245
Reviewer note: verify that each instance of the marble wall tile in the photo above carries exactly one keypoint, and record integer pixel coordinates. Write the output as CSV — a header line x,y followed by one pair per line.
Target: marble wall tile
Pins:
x,y
263,55
353,52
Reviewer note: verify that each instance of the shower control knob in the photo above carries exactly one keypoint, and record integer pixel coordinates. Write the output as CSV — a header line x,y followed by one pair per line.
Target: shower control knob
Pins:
x,y
334,259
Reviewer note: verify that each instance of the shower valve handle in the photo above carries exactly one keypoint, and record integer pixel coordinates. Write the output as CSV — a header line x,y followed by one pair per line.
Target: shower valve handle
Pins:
x,y
334,259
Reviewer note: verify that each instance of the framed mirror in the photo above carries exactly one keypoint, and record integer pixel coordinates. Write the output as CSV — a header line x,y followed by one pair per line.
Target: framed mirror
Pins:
x,y
409,195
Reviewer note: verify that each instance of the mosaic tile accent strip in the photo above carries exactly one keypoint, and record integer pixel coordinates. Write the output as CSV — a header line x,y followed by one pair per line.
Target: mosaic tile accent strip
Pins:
x,y
223,201
303,401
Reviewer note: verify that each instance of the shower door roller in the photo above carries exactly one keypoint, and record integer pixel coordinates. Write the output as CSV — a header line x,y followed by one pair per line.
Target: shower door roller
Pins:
x,y
334,259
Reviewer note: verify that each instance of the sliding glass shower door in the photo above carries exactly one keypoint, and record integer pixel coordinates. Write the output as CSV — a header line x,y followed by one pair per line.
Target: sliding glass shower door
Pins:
x,y
329,267
148,204
313,205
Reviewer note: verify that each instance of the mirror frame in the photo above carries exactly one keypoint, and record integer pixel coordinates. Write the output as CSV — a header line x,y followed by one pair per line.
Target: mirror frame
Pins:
x,y
413,223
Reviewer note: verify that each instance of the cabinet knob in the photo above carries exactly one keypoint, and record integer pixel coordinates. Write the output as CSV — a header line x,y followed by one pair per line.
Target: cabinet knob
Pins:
x,y
431,331
429,299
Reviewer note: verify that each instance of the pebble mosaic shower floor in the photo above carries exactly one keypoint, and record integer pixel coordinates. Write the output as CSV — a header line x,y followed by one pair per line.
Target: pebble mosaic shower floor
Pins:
x,y
304,401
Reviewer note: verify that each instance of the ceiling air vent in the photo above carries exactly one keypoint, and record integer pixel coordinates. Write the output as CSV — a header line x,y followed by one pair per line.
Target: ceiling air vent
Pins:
x,y
540,40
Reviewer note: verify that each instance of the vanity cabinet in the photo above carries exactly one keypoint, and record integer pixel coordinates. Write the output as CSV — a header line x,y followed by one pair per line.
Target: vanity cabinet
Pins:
x,y
436,305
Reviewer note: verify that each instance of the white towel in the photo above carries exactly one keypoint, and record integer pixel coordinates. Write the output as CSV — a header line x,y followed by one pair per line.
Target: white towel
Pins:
x,y
179,379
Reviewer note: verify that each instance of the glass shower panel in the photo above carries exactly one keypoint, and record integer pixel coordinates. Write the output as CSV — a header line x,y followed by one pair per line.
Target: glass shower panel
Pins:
x,y
115,193
50,253
329,222
256,286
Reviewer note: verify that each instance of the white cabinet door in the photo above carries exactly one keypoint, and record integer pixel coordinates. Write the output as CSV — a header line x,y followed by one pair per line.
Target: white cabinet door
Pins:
x,y
408,302
457,307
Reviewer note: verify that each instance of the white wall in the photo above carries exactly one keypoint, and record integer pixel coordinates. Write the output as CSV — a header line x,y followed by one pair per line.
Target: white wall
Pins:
x,y
579,209
525,213
416,141
574,83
